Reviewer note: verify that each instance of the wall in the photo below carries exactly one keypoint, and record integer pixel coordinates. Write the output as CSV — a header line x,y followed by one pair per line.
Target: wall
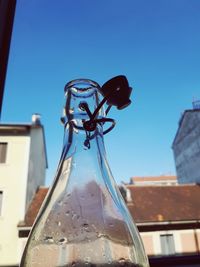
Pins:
x,y
37,163
13,176
186,241
187,149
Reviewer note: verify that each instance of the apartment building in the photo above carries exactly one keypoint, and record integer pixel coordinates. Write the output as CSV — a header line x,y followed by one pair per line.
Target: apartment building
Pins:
x,y
186,146
23,161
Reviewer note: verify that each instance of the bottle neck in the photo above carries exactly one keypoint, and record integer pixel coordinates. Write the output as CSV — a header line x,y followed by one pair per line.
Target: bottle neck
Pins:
x,y
78,140
82,149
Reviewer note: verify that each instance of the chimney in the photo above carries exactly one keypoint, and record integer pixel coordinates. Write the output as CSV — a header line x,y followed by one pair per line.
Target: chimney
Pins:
x,y
125,192
36,119
196,104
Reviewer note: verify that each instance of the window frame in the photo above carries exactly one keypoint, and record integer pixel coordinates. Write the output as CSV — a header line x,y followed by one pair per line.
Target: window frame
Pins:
x,y
6,152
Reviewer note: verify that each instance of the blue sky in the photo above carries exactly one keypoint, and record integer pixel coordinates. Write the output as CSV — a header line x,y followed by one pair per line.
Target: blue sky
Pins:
x,y
156,44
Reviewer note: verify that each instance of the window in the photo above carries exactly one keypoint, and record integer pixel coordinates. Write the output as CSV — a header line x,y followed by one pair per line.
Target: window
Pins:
x,y
1,200
167,244
3,152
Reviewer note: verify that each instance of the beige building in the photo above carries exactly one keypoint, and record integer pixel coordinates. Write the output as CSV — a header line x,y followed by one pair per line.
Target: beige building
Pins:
x,y
23,163
168,218
167,215
154,180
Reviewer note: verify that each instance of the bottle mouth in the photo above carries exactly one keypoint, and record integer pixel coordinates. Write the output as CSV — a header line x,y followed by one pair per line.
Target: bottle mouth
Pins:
x,y
82,87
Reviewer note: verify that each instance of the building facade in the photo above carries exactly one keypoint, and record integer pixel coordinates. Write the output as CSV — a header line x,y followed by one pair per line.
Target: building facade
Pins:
x,y
22,148
168,218
186,147
154,180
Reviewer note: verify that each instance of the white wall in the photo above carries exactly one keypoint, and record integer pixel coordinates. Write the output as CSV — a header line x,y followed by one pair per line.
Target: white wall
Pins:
x,y
13,179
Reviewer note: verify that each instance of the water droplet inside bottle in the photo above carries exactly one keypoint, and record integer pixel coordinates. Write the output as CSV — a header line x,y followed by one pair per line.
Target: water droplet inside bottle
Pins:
x,y
62,240
67,213
48,239
60,203
85,227
73,216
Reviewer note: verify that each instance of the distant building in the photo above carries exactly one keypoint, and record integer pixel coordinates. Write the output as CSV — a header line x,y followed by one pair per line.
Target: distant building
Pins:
x,y
186,146
23,162
168,218
154,180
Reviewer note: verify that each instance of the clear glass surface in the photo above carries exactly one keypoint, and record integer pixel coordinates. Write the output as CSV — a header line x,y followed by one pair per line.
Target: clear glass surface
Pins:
x,y
84,220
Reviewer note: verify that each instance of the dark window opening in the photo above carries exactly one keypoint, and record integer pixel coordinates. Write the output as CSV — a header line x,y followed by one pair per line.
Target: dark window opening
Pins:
x,y
3,152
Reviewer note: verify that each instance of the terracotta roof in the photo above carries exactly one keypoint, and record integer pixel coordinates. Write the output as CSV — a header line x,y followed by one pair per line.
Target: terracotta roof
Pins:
x,y
149,203
165,203
34,207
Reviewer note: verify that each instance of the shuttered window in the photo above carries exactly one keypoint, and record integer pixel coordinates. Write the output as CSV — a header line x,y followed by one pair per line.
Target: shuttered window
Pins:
x,y
3,152
167,244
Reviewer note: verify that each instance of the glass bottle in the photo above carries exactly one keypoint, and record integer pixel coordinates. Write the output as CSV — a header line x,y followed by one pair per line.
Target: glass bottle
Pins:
x,y
83,220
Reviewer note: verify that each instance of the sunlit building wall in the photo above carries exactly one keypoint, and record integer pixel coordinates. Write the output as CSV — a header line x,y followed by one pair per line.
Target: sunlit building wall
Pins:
x,y
22,148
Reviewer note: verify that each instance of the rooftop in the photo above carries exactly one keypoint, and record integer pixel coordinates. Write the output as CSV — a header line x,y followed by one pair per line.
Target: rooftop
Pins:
x,y
164,203
146,203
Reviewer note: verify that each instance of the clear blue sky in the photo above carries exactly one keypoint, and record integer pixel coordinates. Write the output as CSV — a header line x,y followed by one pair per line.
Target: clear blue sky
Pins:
x,y
156,44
